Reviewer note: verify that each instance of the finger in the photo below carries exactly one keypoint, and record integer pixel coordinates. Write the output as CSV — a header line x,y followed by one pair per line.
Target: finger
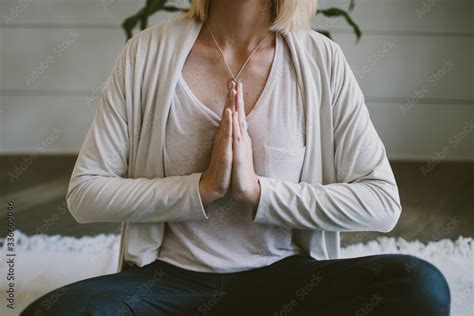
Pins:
x,y
224,127
235,144
233,96
233,87
236,126
227,100
228,123
226,105
241,106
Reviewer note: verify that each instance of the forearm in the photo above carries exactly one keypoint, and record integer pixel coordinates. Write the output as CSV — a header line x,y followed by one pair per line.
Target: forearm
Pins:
x,y
363,206
115,199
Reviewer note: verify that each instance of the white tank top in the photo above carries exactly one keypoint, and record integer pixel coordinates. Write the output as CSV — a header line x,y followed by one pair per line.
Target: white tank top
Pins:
x,y
229,241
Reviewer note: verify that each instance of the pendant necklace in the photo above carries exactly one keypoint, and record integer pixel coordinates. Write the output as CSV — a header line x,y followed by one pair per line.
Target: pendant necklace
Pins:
x,y
235,78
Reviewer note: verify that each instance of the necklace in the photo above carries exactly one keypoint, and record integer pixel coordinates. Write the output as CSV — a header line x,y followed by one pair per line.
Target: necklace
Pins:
x,y
235,78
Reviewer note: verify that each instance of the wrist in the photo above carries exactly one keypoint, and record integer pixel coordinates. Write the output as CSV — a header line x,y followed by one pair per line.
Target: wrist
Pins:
x,y
203,191
250,197
255,196
208,194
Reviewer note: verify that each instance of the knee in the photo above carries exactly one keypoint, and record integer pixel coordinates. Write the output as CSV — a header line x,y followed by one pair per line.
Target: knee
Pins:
x,y
425,285
66,300
51,303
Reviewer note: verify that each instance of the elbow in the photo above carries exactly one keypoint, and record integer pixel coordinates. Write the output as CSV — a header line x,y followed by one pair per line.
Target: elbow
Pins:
x,y
74,206
392,215
389,208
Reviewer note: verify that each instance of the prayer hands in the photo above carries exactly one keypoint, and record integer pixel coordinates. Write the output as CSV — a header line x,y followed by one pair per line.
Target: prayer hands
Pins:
x,y
231,164
245,184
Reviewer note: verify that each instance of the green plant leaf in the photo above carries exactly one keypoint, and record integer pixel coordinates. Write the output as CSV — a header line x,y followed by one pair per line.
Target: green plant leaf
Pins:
x,y
325,33
150,8
336,12
351,5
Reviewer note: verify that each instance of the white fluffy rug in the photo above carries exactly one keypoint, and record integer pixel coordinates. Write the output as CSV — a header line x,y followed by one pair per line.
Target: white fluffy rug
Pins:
x,y
43,263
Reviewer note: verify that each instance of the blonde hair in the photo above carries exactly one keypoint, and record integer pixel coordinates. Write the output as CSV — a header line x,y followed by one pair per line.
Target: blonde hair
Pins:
x,y
287,15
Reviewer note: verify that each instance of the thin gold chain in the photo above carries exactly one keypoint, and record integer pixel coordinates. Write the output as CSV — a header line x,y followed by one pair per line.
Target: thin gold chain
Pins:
x,y
235,77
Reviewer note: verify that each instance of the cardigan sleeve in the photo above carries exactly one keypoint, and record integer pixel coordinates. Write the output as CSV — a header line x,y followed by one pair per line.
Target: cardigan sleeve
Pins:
x,y
365,196
99,190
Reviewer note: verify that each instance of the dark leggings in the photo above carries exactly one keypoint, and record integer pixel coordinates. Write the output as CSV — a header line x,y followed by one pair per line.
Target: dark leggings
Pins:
x,y
389,284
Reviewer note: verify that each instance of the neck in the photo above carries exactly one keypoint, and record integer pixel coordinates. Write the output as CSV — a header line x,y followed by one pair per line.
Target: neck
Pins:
x,y
240,23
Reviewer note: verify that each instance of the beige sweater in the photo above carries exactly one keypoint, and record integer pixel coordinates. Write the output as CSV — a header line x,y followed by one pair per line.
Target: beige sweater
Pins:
x,y
346,181
228,240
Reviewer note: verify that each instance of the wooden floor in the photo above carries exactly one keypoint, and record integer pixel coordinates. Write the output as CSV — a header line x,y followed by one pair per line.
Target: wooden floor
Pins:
x,y
437,205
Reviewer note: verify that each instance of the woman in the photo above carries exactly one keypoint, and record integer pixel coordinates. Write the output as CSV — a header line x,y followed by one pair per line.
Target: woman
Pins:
x,y
235,144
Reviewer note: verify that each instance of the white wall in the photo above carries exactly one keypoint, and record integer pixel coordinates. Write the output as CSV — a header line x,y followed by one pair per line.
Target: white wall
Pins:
x,y
413,63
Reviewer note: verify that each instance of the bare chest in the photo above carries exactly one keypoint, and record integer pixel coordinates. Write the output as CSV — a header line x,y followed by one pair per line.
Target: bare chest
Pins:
x,y
206,75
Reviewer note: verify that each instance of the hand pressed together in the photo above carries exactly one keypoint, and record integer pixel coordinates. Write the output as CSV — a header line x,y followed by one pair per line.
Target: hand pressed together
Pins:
x,y
231,163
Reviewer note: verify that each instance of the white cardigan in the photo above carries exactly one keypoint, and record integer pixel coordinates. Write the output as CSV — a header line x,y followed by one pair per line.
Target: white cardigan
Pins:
x,y
346,185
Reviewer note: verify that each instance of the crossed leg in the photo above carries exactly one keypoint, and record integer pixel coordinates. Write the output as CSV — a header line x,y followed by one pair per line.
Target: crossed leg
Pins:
x,y
297,285
389,284
150,290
